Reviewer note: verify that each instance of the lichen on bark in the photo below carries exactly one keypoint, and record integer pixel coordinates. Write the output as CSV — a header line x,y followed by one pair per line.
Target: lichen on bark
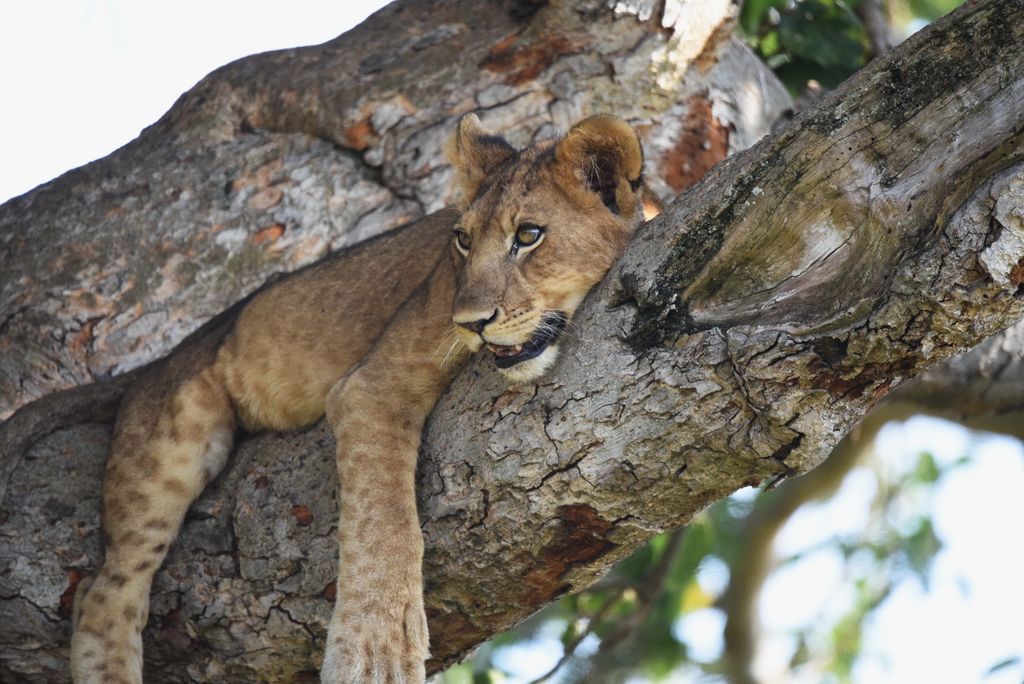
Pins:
x,y
669,396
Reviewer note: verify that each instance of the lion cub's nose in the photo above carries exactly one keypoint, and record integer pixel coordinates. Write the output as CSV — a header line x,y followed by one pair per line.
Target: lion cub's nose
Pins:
x,y
472,322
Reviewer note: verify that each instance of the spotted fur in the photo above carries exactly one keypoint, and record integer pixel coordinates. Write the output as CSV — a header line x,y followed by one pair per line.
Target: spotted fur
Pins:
x,y
370,336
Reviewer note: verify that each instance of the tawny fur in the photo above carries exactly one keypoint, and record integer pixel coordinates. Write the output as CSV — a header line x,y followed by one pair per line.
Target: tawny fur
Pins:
x,y
370,336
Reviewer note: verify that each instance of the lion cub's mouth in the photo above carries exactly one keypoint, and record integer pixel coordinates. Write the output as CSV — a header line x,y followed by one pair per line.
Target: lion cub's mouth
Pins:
x,y
549,330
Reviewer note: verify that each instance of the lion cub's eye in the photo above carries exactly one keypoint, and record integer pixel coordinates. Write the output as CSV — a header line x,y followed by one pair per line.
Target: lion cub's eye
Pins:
x,y
462,241
527,235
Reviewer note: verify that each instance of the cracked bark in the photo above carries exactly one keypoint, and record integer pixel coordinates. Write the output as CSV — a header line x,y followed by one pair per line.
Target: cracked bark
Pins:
x,y
273,160
743,334
982,389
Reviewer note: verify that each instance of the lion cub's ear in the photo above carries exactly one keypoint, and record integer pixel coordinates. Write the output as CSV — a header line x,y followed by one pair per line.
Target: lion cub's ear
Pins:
x,y
603,152
475,152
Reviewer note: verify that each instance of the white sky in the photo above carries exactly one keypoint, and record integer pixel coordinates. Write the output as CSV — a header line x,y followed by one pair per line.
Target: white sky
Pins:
x,y
953,631
82,77
971,612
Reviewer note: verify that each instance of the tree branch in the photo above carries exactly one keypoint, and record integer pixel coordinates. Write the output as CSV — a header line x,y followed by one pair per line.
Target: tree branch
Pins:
x,y
753,561
742,335
982,389
876,25
273,160
757,320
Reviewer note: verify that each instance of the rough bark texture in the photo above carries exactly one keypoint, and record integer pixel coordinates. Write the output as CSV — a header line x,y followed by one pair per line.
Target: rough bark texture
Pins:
x,y
276,159
757,320
264,166
745,331
983,388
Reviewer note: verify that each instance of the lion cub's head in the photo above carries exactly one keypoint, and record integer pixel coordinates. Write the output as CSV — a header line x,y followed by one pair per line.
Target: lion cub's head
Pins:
x,y
540,227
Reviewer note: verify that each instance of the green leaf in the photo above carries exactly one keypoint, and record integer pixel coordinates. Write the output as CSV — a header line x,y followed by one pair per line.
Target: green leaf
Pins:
x,y
1003,664
458,674
754,14
825,33
933,9
491,676
769,44
571,631
921,547
796,73
926,471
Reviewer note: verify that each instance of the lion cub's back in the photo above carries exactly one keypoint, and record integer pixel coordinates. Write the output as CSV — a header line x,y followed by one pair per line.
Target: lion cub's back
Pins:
x,y
297,338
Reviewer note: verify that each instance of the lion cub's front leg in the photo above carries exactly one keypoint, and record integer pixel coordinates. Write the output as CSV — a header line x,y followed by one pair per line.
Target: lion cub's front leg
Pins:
x,y
379,631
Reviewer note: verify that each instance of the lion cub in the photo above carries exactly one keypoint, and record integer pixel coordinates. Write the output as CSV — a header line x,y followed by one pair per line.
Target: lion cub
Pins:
x,y
370,336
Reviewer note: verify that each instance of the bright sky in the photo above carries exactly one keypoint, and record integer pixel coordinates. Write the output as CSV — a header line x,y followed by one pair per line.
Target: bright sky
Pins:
x,y
82,77
967,620
971,611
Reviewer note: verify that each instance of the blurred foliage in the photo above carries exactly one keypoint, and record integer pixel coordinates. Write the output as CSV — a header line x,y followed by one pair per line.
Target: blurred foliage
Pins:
x,y
824,40
627,628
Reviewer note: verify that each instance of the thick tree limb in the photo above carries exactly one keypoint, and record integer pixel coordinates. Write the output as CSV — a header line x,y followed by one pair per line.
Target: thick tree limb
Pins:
x,y
749,570
743,334
263,166
759,318
983,388
273,160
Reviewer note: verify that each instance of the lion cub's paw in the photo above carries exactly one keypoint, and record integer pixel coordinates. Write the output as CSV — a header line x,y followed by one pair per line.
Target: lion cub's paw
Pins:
x,y
369,649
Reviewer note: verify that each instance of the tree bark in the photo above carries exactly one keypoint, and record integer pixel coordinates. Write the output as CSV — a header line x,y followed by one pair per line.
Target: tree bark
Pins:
x,y
750,326
743,334
982,389
264,166
274,160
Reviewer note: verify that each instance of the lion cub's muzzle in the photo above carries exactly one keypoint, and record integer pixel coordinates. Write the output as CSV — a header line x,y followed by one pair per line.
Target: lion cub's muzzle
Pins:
x,y
548,331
